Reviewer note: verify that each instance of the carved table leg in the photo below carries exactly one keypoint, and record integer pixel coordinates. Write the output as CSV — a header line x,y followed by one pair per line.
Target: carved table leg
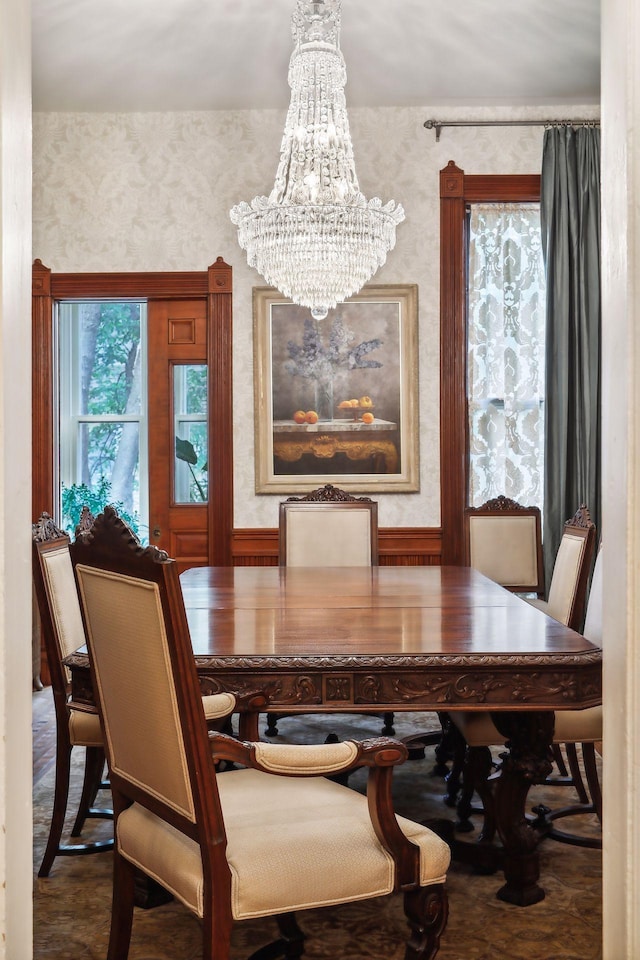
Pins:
x,y
528,760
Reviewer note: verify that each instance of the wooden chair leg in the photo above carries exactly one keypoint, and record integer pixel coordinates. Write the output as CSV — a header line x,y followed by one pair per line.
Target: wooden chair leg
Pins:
x,y
289,946
559,760
122,909
60,797
453,779
482,768
388,729
426,910
593,781
93,773
292,936
271,730
475,778
54,847
576,773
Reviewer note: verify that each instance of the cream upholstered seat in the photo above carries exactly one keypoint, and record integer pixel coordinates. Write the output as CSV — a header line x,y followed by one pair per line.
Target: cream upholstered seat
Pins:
x,y
266,840
63,633
504,542
572,727
328,528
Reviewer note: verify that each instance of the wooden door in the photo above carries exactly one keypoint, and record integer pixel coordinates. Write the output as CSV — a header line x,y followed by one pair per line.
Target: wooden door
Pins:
x,y
178,487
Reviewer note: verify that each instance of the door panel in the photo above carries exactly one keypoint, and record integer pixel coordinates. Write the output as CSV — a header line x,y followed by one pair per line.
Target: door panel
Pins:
x,y
177,332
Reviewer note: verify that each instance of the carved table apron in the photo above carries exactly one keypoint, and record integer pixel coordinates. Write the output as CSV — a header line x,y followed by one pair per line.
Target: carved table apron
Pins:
x,y
376,639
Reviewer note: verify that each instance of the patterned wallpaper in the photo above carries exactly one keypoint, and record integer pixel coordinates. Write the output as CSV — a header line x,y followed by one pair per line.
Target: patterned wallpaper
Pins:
x,y
152,191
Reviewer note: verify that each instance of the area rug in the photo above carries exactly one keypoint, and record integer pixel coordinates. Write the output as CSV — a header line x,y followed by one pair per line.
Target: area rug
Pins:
x,y
72,906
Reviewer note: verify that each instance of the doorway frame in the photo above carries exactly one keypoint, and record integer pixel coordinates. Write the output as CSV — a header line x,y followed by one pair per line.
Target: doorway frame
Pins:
x,y
213,285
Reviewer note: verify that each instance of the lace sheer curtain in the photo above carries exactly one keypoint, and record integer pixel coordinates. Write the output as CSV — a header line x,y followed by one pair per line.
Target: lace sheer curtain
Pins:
x,y
506,330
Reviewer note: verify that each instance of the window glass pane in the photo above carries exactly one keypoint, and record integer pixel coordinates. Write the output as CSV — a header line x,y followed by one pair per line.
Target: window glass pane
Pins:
x,y
109,358
102,410
506,327
109,464
191,433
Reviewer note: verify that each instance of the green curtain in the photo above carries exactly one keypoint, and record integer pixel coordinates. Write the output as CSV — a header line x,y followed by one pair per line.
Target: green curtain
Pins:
x,y
570,218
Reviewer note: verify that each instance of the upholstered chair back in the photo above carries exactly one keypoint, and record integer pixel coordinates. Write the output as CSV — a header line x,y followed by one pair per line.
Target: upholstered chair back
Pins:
x,y
61,617
568,577
140,714
504,542
505,549
328,534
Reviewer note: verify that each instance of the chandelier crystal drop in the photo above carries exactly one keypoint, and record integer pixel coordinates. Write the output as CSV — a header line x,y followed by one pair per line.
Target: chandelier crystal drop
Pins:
x,y
316,238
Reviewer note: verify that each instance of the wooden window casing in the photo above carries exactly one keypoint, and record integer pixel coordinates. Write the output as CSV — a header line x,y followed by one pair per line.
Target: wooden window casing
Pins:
x,y
456,191
213,285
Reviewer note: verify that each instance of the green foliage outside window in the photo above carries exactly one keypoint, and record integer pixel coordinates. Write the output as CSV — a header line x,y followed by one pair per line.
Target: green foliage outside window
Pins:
x,y
186,452
79,495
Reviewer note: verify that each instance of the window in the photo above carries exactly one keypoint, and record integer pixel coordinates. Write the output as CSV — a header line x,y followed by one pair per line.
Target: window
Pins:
x,y
102,416
457,192
505,358
190,431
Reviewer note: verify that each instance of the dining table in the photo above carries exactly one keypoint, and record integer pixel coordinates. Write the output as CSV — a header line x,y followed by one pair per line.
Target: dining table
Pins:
x,y
391,639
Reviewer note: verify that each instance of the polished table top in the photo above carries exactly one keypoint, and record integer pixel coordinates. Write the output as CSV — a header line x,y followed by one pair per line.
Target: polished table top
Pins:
x,y
425,620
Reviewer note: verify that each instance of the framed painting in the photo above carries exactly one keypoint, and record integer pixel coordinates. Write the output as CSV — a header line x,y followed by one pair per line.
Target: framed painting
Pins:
x,y
336,400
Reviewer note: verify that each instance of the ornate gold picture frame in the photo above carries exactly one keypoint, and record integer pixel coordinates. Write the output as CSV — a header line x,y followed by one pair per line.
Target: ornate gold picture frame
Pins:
x,y
336,400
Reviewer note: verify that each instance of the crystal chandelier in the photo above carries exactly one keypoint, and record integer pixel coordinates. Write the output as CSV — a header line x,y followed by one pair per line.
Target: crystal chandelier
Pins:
x,y
316,238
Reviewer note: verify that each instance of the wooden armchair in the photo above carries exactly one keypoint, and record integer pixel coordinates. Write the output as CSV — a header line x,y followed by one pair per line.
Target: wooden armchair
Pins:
x,y
63,633
262,841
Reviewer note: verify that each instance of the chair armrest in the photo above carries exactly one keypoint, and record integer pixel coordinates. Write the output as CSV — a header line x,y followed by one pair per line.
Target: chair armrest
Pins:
x,y
404,851
218,705
308,760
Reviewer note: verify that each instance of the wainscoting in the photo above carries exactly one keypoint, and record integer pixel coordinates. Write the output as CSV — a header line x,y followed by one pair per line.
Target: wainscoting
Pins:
x,y
397,546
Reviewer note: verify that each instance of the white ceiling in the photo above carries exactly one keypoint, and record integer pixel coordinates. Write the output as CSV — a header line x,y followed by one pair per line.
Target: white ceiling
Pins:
x,y
125,55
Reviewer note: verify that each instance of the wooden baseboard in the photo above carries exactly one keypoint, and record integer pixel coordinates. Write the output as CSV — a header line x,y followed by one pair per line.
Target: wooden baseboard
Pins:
x,y
397,546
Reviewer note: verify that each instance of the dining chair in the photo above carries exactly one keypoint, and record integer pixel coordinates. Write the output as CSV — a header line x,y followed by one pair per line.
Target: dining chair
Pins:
x,y
504,542
63,633
328,528
573,729
266,840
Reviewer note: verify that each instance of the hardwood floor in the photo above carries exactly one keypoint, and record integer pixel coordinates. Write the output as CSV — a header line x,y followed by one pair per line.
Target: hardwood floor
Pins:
x,y
43,727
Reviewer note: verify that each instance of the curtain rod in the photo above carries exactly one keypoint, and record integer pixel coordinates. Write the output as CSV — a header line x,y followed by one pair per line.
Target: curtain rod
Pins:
x,y
437,125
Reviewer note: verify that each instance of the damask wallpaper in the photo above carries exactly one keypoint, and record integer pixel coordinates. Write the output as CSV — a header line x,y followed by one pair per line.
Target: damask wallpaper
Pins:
x,y
152,191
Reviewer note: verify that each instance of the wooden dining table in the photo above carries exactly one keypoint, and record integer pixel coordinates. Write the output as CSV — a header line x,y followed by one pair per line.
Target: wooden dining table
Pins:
x,y
389,638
